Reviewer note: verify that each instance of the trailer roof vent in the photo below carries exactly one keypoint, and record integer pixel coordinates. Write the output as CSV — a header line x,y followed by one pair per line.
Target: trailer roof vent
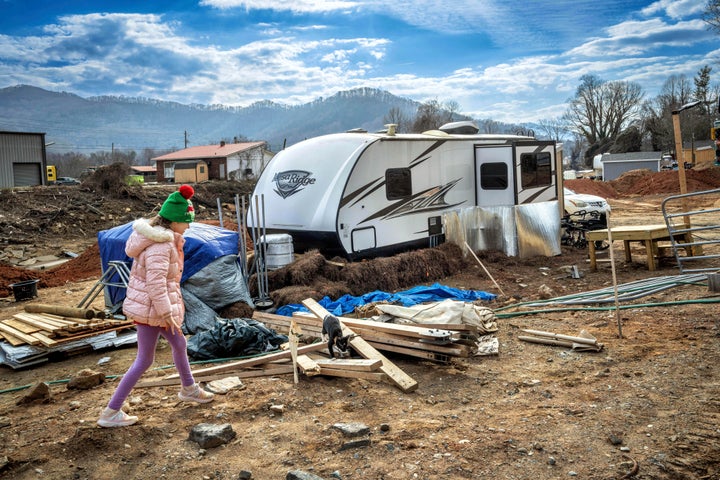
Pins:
x,y
356,130
466,127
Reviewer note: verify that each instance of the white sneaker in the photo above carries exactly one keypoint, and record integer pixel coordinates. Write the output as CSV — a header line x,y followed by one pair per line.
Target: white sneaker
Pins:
x,y
115,418
194,393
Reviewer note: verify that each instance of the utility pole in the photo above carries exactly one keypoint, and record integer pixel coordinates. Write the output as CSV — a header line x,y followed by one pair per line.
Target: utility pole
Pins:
x,y
186,140
679,154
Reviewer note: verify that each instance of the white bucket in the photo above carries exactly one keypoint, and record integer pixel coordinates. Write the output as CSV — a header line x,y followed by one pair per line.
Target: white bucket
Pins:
x,y
278,250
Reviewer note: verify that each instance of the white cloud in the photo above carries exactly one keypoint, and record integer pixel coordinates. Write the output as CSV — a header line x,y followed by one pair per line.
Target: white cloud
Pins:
x,y
675,9
638,37
298,6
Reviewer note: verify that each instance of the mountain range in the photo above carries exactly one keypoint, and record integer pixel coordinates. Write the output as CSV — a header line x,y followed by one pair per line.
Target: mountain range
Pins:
x,y
104,123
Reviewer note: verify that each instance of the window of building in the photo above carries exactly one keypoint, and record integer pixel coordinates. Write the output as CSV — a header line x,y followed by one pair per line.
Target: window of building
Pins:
x,y
398,183
535,169
494,176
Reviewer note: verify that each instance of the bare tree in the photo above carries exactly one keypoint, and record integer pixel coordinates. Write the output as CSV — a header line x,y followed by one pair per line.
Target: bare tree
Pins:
x,y
554,129
677,91
576,152
396,116
452,108
431,115
489,126
711,14
601,110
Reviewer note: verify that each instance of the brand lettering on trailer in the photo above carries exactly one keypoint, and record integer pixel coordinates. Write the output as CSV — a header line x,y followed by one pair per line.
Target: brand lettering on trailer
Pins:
x,y
290,182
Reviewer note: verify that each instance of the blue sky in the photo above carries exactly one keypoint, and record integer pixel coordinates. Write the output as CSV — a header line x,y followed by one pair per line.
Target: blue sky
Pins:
x,y
512,62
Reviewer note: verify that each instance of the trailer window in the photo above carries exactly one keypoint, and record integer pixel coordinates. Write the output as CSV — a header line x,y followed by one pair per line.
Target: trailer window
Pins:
x,y
494,176
398,183
535,169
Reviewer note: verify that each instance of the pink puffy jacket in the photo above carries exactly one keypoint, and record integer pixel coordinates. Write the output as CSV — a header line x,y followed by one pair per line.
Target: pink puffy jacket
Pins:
x,y
153,295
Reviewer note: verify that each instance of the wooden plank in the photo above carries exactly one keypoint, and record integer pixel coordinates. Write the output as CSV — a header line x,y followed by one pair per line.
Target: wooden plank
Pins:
x,y
395,328
250,362
250,373
332,372
50,320
44,339
18,334
37,323
281,322
91,334
451,349
356,364
412,352
396,375
453,327
20,325
12,340
307,365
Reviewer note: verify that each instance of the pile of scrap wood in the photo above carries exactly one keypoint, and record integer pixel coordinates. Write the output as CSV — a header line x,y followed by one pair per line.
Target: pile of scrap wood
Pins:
x,y
367,339
50,325
429,341
582,343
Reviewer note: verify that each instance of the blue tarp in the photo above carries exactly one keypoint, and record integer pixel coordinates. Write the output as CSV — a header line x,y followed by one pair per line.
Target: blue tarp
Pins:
x,y
407,298
203,244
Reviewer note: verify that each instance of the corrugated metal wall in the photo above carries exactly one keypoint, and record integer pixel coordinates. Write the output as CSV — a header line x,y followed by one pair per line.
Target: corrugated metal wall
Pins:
x,y
22,159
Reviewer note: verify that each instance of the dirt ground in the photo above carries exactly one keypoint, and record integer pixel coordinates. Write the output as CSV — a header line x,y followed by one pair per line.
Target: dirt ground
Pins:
x,y
647,406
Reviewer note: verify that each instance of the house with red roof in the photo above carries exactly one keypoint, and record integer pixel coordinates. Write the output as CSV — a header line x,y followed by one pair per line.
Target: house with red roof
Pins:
x,y
223,161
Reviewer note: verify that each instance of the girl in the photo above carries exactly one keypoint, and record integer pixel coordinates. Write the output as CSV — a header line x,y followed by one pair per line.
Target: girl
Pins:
x,y
154,301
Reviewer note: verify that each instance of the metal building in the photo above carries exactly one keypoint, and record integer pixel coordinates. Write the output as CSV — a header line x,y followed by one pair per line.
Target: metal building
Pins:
x,y
22,159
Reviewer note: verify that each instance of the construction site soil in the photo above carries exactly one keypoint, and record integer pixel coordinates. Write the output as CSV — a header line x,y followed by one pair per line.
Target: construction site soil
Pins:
x,y
647,406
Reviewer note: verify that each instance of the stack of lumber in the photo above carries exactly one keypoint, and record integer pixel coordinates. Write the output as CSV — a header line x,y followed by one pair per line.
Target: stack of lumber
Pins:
x,y
37,327
431,342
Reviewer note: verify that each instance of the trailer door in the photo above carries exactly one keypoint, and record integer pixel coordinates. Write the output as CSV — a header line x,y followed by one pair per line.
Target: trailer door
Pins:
x,y
493,175
535,171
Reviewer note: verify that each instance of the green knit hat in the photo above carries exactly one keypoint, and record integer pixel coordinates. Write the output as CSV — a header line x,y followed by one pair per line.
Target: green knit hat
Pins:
x,y
178,207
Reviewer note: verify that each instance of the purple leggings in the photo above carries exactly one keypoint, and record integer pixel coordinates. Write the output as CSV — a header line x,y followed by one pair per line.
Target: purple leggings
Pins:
x,y
147,338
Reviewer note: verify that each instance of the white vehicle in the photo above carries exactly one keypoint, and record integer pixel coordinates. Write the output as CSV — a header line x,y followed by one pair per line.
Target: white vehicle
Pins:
x,y
360,194
576,203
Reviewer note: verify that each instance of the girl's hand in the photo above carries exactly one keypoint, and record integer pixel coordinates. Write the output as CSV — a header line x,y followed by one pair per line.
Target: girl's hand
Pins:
x,y
174,325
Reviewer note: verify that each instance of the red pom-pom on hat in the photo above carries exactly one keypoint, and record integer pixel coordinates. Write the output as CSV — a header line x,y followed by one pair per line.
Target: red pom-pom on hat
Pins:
x,y
186,191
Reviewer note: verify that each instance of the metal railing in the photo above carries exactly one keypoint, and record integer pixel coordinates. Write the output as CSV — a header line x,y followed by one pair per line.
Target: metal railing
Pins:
x,y
694,226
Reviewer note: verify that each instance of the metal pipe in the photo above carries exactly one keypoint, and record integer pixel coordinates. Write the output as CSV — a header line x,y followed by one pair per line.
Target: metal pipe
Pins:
x,y
220,215
242,254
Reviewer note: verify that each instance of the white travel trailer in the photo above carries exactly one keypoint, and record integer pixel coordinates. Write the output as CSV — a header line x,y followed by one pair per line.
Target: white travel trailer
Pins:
x,y
360,194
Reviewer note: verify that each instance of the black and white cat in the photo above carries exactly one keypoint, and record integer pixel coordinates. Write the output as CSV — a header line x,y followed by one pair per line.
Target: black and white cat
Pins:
x,y
332,334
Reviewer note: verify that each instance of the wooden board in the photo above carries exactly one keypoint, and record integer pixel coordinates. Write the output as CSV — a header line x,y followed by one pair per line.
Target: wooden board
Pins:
x,y
250,373
250,362
12,340
398,329
308,366
332,372
19,335
412,352
357,364
22,326
450,349
396,375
